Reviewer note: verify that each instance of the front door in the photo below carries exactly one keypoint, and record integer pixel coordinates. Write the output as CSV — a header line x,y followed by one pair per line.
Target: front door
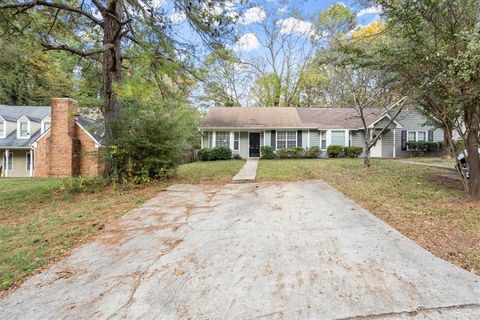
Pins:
x,y
254,150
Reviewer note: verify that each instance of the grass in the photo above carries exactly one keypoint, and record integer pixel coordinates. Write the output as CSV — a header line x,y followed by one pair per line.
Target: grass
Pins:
x,y
216,172
415,200
40,222
434,160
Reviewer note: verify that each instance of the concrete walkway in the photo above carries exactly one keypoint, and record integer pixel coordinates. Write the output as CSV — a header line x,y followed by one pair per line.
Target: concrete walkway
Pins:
x,y
248,173
296,250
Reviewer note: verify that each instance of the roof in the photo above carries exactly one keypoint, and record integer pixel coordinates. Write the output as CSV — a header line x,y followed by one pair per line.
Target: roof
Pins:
x,y
37,114
95,128
287,117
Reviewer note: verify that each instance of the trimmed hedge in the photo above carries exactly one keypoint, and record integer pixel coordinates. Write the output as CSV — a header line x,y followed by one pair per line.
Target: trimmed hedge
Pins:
x,y
218,153
267,152
291,153
423,147
353,152
334,150
313,152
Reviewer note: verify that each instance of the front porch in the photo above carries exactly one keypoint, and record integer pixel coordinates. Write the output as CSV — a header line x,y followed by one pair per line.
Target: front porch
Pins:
x,y
17,163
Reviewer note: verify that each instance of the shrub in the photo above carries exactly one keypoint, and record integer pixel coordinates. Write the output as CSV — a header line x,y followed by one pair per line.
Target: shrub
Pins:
x,y
353,152
237,156
334,150
298,153
268,152
221,153
283,153
313,152
84,185
205,154
424,147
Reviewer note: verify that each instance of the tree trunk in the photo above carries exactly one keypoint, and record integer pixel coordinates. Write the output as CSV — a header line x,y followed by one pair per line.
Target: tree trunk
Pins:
x,y
366,154
111,75
447,141
472,123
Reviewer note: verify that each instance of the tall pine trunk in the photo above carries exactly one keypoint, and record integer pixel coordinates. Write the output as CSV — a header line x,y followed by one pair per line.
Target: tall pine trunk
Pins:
x,y
111,75
366,153
472,123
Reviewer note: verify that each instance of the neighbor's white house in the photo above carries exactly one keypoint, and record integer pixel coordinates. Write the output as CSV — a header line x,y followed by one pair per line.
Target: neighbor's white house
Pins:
x,y
246,129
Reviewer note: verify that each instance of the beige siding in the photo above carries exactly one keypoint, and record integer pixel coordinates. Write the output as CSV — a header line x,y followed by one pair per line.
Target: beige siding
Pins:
x,y
19,165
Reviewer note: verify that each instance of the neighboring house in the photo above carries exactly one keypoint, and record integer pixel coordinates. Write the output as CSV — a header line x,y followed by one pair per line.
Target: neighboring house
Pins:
x,y
49,141
246,129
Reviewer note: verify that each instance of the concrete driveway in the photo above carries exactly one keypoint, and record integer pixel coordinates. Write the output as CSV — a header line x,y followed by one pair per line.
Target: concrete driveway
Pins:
x,y
274,251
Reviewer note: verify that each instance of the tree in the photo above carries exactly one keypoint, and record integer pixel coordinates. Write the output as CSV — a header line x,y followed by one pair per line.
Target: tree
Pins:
x,y
104,29
434,53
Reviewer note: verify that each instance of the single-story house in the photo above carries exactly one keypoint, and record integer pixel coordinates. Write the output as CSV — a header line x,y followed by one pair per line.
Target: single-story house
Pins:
x,y
246,129
49,141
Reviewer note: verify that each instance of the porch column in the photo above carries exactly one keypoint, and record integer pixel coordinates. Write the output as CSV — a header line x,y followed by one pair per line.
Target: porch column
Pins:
x,y
231,140
214,137
328,137
394,144
31,163
201,139
7,155
347,138
308,139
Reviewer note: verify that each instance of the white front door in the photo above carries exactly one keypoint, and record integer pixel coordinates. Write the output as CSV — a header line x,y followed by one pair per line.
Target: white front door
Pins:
x,y
376,150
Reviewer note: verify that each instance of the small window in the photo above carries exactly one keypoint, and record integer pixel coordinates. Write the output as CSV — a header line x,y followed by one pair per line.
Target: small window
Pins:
x,y
338,138
29,161
236,141
222,139
10,161
421,136
286,139
23,128
2,129
323,140
46,126
412,136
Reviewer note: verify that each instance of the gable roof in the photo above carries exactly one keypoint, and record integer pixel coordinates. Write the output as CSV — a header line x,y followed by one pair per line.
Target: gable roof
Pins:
x,y
287,117
36,114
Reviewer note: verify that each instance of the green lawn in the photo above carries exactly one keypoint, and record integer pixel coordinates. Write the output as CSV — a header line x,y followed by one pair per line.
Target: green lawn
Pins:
x,y
415,200
434,160
40,222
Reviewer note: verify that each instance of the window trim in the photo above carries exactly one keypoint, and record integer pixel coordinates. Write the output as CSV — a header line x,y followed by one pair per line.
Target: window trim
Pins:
x,y
43,122
228,140
344,144
238,140
4,126
416,135
286,139
20,120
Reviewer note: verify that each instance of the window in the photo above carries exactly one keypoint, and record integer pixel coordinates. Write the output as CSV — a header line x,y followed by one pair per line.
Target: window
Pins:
x,y
29,160
2,128
236,141
210,139
338,138
417,136
23,128
222,139
421,136
286,139
323,140
46,126
10,161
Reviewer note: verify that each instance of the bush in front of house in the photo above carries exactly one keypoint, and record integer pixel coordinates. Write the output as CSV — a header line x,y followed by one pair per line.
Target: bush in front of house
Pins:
x,y
267,152
424,147
212,154
313,152
236,156
221,153
353,152
291,153
334,150
205,154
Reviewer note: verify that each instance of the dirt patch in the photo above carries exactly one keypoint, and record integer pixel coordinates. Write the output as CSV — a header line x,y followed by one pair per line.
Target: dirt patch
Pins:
x,y
445,181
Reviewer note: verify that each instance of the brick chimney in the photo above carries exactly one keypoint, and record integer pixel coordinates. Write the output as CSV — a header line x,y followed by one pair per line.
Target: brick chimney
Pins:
x,y
62,138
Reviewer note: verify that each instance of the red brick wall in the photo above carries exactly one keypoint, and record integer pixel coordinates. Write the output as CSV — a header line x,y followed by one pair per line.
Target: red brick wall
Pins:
x,y
88,156
67,150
